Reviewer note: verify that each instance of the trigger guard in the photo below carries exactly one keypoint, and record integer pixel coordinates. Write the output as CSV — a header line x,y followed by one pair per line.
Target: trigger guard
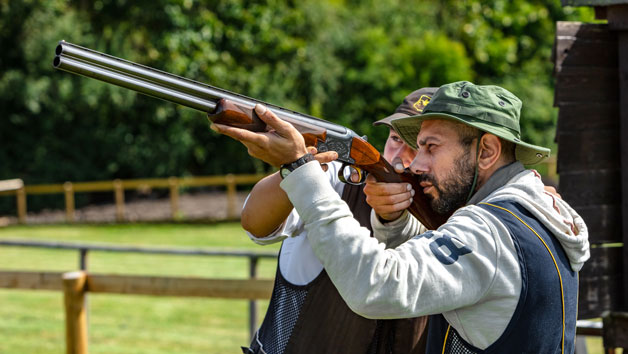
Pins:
x,y
361,173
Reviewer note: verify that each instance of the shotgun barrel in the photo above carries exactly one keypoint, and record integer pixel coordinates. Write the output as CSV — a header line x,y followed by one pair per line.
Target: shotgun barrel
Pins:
x,y
166,86
133,83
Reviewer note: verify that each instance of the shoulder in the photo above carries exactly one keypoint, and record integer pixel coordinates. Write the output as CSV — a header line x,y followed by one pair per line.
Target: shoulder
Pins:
x,y
478,229
470,222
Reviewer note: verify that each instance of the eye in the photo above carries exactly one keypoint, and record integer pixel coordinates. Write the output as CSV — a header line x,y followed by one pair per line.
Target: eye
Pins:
x,y
395,138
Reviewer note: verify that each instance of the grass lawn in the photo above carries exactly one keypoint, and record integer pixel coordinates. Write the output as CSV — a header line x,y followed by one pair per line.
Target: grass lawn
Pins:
x,y
33,321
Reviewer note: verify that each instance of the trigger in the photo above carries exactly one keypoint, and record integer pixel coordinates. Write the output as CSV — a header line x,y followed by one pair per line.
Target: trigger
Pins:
x,y
351,175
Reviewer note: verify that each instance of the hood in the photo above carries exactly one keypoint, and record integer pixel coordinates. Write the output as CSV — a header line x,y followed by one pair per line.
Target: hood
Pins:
x,y
527,189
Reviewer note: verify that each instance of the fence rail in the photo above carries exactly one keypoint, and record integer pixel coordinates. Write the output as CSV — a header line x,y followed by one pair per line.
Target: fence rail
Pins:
x,y
135,249
143,285
17,188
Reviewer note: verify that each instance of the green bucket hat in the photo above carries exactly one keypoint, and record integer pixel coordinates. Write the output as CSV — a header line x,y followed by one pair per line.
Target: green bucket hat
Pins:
x,y
491,109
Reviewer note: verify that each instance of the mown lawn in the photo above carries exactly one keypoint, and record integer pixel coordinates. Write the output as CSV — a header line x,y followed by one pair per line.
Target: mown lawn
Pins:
x,y
33,321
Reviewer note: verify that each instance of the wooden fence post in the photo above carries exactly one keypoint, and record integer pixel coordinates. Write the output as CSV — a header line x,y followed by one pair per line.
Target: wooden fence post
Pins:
x,y
119,197
75,314
173,183
232,213
20,196
68,189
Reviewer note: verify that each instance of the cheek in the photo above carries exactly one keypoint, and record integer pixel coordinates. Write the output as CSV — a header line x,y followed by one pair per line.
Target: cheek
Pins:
x,y
390,152
442,169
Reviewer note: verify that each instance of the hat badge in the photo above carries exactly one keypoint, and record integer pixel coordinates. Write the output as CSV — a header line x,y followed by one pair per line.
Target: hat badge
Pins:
x,y
421,103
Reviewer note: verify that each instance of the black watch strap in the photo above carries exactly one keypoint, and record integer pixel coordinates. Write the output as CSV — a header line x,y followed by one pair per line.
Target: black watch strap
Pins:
x,y
289,167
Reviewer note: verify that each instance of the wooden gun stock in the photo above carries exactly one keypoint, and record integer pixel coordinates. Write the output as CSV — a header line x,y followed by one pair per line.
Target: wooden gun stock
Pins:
x,y
229,113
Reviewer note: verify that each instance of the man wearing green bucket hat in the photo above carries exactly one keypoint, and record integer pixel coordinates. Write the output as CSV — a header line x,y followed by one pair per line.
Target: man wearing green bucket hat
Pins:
x,y
500,276
471,111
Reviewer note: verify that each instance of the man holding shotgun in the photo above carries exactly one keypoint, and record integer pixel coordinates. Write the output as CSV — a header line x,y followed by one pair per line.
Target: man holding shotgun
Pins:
x,y
306,313
500,276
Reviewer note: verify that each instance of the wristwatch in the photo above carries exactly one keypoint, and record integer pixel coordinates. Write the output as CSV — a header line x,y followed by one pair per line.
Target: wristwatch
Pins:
x,y
285,169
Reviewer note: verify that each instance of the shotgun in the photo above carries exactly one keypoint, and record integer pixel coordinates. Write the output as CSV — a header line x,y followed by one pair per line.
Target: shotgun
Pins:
x,y
229,108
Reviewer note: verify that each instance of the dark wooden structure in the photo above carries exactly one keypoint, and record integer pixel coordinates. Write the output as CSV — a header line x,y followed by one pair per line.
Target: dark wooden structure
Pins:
x,y
591,70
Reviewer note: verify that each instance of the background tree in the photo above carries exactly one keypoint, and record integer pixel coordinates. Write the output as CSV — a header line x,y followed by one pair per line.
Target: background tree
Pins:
x,y
350,62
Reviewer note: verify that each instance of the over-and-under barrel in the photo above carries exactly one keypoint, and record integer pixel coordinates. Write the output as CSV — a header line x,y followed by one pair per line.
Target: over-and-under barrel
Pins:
x,y
143,79
193,94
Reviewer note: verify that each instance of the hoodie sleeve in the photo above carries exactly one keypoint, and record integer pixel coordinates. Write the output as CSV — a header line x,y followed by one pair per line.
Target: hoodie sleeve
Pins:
x,y
431,273
396,232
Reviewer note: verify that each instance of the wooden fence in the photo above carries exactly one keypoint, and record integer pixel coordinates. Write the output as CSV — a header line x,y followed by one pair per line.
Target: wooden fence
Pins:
x,y
75,285
173,184
17,188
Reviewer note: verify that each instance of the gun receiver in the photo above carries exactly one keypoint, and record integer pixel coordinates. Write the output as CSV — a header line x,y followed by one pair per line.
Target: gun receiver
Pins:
x,y
229,108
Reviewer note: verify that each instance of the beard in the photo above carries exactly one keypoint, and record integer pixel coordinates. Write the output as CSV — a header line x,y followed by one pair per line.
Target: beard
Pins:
x,y
453,190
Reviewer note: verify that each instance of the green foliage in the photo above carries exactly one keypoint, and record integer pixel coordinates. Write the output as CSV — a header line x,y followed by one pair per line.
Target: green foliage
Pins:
x,y
350,62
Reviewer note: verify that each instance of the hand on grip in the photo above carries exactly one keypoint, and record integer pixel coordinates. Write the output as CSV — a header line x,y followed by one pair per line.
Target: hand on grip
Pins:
x,y
388,200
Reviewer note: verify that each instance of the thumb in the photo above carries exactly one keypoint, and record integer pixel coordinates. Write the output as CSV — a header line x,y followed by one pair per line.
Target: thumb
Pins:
x,y
271,119
397,165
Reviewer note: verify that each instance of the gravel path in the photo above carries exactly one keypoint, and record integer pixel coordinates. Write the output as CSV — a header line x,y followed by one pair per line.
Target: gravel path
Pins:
x,y
192,207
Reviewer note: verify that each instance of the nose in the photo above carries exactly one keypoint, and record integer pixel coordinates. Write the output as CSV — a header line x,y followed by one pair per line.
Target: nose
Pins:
x,y
406,154
419,164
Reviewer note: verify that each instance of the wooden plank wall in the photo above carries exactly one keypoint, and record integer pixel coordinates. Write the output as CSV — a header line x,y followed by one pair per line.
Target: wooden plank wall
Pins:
x,y
588,137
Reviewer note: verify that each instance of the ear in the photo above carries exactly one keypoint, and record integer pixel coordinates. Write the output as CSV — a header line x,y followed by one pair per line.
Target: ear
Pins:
x,y
490,151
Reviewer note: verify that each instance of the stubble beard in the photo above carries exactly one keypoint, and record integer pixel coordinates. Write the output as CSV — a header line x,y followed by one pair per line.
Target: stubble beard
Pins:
x,y
454,189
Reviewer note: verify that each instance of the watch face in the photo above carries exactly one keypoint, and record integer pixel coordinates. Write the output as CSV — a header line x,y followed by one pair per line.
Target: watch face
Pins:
x,y
285,169
284,172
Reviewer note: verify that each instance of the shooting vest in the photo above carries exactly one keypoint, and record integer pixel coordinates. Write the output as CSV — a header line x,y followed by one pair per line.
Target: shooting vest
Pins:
x,y
544,320
314,318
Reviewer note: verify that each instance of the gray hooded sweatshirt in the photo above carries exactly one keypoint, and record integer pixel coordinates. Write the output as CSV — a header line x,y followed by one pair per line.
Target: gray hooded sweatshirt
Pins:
x,y
400,273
